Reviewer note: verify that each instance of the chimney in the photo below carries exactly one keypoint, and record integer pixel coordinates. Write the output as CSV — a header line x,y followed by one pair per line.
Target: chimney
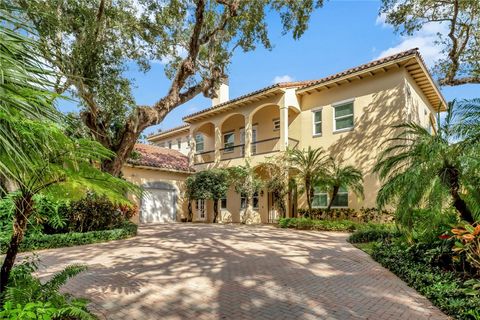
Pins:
x,y
222,92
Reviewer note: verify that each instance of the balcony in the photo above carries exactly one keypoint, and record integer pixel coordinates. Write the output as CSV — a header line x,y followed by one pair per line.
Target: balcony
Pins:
x,y
204,157
232,152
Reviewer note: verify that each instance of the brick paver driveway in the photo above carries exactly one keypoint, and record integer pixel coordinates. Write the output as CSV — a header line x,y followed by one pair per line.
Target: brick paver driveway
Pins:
x,y
185,271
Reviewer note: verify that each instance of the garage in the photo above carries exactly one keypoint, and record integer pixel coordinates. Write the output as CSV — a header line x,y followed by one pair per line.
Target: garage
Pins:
x,y
159,203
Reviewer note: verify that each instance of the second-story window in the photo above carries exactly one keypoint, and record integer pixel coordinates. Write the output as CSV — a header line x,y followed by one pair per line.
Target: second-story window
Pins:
x,y
161,145
179,144
343,116
199,142
317,122
170,144
276,124
228,142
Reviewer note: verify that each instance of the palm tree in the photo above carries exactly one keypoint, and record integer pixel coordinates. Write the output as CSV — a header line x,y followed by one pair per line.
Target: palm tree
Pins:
x,y
419,168
347,177
309,165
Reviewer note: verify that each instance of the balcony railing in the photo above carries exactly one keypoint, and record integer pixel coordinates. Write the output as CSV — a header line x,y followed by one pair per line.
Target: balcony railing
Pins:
x,y
232,152
265,146
204,157
259,147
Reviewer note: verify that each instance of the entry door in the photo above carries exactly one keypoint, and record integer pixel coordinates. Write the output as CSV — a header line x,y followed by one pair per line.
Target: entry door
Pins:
x,y
201,209
272,211
158,206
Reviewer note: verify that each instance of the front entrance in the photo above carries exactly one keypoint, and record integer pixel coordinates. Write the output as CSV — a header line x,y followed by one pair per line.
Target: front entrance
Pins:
x,y
273,214
201,209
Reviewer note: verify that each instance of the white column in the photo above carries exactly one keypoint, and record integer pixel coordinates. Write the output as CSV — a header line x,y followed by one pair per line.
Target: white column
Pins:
x,y
218,143
283,128
192,145
248,136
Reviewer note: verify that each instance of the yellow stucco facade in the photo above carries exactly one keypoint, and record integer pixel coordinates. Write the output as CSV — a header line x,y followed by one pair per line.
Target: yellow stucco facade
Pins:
x,y
263,124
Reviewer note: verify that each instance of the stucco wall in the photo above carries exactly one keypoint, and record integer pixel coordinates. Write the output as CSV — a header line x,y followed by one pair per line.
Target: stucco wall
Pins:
x,y
378,103
142,176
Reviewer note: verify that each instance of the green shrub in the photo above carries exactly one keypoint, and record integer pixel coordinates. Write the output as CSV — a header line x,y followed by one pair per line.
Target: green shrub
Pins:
x,y
369,235
47,241
311,224
448,290
362,215
27,298
95,212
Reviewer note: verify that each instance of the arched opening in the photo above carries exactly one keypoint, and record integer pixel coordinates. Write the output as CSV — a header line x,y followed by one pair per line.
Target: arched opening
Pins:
x,y
204,137
265,130
233,137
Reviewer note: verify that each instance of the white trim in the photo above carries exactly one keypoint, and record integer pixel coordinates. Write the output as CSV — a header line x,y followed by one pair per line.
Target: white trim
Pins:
x,y
339,104
319,109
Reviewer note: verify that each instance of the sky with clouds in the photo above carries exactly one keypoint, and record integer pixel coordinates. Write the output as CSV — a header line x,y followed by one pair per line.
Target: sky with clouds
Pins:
x,y
342,34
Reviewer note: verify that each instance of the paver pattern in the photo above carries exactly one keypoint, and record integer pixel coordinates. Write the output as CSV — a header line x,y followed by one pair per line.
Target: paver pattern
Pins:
x,y
195,271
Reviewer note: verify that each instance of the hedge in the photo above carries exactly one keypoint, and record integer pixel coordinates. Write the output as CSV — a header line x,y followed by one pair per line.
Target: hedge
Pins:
x,y
447,290
312,224
369,235
48,241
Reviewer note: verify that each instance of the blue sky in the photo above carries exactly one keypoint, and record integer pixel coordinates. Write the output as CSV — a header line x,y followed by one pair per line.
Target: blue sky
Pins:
x,y
341,35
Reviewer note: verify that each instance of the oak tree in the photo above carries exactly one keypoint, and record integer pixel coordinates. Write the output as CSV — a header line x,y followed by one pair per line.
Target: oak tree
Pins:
x,y
461,45
91,43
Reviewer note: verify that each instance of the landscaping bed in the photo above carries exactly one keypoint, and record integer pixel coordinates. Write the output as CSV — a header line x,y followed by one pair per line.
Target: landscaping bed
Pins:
x,y
58,240
328,225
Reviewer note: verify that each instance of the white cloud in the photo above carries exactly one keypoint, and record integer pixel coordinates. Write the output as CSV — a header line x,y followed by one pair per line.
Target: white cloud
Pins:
x,y
425,39
284,78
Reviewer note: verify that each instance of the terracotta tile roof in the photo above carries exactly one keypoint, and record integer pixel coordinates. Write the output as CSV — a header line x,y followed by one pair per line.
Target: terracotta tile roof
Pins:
x,y
363,67
163,158
253,93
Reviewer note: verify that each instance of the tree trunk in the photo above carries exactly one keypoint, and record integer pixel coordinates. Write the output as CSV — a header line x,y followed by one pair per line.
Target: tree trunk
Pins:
x,y
334,194
190,212
23,209
215,210
309,191
459,204
3,186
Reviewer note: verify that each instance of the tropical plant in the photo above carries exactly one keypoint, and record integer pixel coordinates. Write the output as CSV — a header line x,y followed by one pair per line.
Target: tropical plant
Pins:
x,y
276,180
35,154
468,242
342,176
210,184
92,43
245,181
309,165
28,298
420,169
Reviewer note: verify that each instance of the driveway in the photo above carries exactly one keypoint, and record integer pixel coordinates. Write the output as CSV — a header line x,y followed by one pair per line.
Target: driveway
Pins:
x,y
185,271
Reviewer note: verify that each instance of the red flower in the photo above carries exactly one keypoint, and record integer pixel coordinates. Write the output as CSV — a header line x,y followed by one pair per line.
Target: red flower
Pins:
x,y
444,236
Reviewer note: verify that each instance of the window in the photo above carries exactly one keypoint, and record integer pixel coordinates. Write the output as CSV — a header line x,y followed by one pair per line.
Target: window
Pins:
x,y
321,198
199,144
255,200
170,144
228,142
317,122
161,145
223,203
179,144
343,116
276,124
243,201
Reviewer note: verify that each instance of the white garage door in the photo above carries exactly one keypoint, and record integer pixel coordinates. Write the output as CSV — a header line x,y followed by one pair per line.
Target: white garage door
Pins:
x,y
158,206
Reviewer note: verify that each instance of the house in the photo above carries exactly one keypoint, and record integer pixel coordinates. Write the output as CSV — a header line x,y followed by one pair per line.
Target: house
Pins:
x,y
349,114
161,173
